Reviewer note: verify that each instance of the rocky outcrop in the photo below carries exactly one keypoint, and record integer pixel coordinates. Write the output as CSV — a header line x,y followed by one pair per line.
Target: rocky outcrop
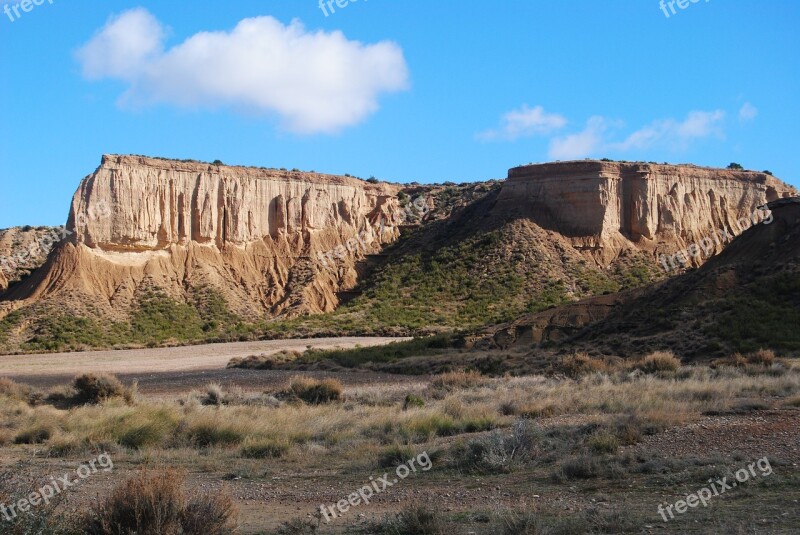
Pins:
x,y
606,207
25,249
271,242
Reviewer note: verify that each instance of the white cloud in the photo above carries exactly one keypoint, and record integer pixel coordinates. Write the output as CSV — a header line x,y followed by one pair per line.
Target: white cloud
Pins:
x,y
672,134
314,81
525,122
581,145
668,134
748,112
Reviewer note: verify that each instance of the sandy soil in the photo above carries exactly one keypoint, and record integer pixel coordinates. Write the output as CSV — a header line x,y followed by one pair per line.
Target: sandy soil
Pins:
x,y
176,369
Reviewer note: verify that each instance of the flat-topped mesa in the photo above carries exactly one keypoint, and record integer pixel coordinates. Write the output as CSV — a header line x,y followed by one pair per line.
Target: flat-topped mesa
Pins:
x,y
270,242
133,203
605,207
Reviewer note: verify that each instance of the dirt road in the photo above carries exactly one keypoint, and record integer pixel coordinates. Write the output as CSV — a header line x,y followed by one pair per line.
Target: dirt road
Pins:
x,y
170,369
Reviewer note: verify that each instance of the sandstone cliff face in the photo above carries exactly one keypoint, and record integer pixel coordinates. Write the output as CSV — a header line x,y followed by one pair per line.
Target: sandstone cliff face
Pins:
x,y
606,207
262,238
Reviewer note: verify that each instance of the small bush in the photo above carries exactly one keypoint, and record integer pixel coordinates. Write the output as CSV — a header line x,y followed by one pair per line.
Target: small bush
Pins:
x,y
513,523
660,361
415,520
263,361
16,391
148,503
583,467
93,389
413,401
497,452
38,433
153,503
603,442
316,392
395,455
209,514
458,380
298,526
214,395
762,357
581,364
264,448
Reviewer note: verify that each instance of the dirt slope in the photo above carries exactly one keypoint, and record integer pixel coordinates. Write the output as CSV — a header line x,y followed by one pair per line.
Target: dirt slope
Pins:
x,y
746,297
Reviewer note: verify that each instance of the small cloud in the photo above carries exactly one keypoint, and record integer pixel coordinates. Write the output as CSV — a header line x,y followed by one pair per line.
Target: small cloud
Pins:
x,y
668,134
672,134
314,81
748,112
581,145
524,122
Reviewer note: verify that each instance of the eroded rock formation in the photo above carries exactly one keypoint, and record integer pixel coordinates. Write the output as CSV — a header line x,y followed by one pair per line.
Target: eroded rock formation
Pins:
x,y
262,238
605,207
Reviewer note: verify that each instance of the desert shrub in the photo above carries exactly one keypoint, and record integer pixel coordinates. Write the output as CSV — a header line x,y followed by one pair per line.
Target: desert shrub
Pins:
x,y
38,433
297,526
603,442
762,357
580,364
497,452
264,448
214,395
514,523
212,432
793,402
395,455
154,503
581,467
413,401
264,361
458,380
149,503
209,514
93,388
414,520
660,361
16,391
147,427
316,392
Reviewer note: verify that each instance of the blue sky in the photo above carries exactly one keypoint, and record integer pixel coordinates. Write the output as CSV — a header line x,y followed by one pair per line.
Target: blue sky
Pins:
x,y
403,90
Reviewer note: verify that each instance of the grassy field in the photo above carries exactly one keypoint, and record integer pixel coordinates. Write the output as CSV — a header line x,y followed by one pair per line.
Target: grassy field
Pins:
x,y
595,446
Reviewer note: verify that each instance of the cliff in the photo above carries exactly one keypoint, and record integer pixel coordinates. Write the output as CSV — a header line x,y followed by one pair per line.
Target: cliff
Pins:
x,y
606,207
268,241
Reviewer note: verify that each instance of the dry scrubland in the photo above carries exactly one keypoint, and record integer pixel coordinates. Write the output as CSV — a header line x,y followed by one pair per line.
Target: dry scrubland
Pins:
x,y
591,448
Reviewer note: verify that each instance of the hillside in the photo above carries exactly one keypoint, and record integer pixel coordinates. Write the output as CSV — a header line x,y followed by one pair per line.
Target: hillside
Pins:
x,y
743,299
164,251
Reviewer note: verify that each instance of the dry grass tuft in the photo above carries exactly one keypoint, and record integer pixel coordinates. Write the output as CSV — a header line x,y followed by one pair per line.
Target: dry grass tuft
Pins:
x,y
314,391
264,361
581,364
762,357
458,380
660,361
